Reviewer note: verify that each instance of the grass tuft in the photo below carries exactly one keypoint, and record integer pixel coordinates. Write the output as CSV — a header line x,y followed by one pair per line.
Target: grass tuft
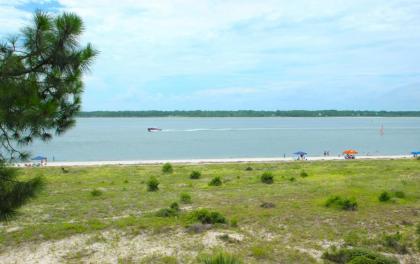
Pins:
x,y
216,181
152,184
347,204
267,177
167,168
195,175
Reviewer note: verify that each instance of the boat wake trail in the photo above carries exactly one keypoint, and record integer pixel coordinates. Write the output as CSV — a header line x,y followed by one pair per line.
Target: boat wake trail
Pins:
x,y
222,129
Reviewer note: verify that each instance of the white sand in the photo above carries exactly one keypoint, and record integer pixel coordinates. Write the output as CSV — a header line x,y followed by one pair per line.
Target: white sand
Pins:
x,y
207,161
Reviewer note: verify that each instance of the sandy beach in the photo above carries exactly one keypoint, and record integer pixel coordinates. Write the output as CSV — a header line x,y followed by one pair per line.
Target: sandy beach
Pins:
x,y
209,161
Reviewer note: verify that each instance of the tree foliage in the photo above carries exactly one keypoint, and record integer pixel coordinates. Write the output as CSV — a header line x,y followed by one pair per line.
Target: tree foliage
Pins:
x,y
40,81
40,88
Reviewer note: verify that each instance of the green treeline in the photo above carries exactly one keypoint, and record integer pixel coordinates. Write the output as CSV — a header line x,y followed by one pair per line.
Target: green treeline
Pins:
x,y
250,113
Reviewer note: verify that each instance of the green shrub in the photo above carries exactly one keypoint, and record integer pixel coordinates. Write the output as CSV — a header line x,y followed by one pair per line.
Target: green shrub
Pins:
x,y
303,174
248,168
152,184
167,168
173,210
234,222
96,192
292,179
221,258
195,175
348,204
216,181
185,198
399,194
207,217
384,197
267,177
394,242
357,256
259,252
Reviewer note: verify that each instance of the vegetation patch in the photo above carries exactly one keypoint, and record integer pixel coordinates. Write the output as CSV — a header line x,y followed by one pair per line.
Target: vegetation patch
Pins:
x,y
384,197
152,184
347,204
185,198
357,256
96,192
303,174
167,168
267,178
399,194
195,175
267,205
208,217
216,181
220,258
173,210
394,242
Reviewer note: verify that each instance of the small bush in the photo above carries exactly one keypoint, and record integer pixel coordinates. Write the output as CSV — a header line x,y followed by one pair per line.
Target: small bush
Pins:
x,y
399,194
195,175
357,256
347,204
303,174
173,210
394,242
292,179
96,192
207,217
267,177
259,252
152,184
221,258
384,197
248,168
216,181
167,168
267,205
185,198
234,222
126,181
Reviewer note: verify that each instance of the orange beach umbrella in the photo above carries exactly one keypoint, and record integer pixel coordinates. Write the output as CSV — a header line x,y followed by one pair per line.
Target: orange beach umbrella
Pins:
x,y
350,152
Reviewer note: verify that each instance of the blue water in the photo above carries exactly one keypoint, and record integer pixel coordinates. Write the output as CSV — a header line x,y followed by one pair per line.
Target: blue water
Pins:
x,y
95,139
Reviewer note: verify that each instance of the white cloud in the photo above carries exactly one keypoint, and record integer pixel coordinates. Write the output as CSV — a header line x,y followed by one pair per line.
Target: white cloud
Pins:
x,y
263,48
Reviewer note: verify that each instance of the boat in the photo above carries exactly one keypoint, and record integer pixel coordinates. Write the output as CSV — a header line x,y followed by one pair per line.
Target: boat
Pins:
x,y
153,129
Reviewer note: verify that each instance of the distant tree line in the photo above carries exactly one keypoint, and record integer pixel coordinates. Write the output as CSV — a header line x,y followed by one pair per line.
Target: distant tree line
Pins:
x,y
250,113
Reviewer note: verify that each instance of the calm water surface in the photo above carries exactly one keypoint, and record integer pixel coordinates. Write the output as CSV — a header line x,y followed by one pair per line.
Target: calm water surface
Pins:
x,y
95,139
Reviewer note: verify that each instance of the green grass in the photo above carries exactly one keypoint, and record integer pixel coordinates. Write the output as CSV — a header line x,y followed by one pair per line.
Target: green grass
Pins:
x,y
299,219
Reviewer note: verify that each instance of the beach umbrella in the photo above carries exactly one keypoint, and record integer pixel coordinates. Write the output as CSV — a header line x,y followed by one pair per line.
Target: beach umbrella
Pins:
x,y
350,152
300,153
415,152
39,158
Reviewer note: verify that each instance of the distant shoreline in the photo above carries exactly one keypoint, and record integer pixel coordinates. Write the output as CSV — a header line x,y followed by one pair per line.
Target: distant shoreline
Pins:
x,y
212,161
250,113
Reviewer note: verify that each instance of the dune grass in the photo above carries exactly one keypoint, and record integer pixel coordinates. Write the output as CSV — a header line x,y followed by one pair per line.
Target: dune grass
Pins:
x,y
297,225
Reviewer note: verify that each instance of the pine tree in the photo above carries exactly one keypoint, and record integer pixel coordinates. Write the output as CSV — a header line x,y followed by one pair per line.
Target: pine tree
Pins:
x,y
40,89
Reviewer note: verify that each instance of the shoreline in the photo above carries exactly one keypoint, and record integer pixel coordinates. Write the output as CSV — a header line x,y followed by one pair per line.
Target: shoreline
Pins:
x,y
209,161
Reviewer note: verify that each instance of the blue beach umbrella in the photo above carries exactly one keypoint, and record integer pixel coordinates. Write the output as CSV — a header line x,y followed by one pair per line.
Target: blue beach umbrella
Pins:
x,y
300,153
415,153
39,158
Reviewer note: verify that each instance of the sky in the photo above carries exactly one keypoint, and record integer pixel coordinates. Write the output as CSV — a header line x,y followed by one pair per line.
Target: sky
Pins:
x,y
241,54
